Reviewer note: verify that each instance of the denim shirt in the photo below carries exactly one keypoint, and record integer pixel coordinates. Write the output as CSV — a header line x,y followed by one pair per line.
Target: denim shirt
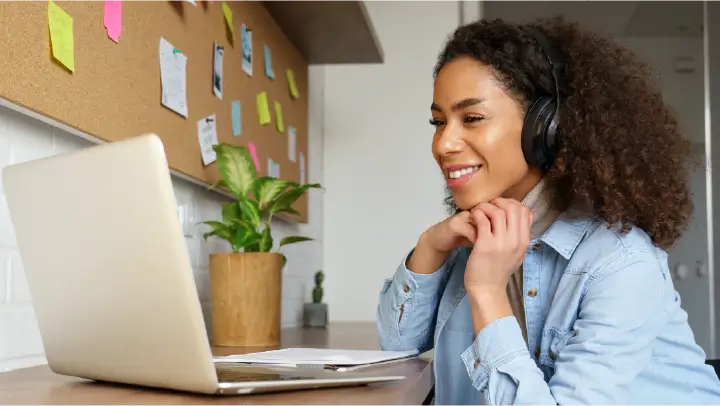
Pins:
x,y
604,325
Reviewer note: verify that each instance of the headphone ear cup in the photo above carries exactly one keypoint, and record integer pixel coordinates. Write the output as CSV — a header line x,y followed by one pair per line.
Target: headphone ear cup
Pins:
x,y
538,138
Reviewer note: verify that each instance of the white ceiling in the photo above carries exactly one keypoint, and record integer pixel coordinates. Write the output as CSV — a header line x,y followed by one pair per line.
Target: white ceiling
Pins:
x,y
617,18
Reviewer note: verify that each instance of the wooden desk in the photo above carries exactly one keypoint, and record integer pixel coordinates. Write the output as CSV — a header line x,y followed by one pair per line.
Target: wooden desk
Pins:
x,y
39,385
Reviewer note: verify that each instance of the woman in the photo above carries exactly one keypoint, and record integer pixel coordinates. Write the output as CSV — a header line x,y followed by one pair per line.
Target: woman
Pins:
x,y
550,283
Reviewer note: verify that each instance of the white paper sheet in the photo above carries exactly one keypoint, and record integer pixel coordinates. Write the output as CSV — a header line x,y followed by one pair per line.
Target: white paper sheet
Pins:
x,y
173,74
317,356
207,137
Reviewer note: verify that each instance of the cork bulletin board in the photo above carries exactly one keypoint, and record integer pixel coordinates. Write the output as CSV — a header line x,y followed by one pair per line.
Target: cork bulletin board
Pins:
x,y
114,91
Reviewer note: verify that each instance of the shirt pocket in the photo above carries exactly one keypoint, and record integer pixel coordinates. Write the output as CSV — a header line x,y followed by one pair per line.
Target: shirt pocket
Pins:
x,y
552,344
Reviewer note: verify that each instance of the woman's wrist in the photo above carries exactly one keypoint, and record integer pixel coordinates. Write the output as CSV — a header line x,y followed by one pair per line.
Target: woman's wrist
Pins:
x,y
488,304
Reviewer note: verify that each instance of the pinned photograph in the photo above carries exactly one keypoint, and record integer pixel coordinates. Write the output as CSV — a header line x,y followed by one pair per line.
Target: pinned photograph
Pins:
x,y
218,70
247,52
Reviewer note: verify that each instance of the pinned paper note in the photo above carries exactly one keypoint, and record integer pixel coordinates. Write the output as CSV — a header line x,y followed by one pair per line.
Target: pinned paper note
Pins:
x,y
292,144
192,2
236,120
302,168
112,19
61,36
291,83
273,169
227,12
207,136
173,66
253,154
218,70
268,63
279,122
263,108
247,52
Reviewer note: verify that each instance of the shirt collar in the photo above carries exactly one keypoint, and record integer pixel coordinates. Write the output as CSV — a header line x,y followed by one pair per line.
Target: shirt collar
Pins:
x,y
565,234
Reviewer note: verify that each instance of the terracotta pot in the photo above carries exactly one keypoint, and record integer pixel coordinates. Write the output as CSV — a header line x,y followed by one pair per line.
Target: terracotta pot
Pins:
x,y
245,297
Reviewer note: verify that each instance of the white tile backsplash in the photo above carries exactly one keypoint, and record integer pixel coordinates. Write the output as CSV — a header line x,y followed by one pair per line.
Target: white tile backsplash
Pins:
x,y
23,138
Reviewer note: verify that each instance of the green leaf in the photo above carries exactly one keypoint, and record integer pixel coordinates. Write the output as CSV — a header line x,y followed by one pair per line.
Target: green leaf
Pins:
x,y
268,188
230,212
236,167
220,183
284,260
289,210
249,211
287,199
293,239
219,229
266,240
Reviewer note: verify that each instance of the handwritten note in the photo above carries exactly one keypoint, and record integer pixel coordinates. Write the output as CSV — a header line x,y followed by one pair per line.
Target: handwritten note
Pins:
x,y
273,169
173,73
302,168
263,108
236,118
292,144
227,12
207,136
279,122
253,154
291,83
61,36
112,19
247,50
268,63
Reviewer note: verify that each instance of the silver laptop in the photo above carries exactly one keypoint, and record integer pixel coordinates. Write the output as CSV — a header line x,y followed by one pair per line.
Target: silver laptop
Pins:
x,y
111,280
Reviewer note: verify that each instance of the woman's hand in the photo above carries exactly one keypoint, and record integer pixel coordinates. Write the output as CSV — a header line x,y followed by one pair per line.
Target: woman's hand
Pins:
x,y
503,236
435,244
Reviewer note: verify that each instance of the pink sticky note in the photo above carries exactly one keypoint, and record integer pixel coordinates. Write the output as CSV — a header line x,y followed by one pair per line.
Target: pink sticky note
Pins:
x,y
112,19
253,154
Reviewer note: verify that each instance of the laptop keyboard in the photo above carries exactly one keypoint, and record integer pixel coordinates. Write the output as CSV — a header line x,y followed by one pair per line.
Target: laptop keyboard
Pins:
x,y
235,374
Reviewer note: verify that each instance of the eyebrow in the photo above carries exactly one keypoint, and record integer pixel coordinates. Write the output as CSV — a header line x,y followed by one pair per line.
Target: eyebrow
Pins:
x,y
459,105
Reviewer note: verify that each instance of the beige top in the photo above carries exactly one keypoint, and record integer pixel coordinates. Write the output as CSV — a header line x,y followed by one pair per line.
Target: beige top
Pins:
x,y
538,201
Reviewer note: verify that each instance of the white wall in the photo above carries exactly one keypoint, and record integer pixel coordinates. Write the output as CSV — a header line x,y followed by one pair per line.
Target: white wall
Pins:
x,y
383,186
23,138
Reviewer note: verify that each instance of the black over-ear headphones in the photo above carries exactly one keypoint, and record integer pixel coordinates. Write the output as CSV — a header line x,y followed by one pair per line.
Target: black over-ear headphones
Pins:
x,y
540,128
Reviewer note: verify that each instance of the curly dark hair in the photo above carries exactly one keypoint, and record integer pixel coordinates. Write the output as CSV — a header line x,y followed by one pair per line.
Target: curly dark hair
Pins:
x,y
621,156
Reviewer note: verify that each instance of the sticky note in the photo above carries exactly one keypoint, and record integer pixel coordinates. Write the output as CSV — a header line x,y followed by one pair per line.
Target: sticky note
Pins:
x,y
61,36
112,19
268,63
228,17
302,168
236,120
247,50
273,169
263,108
173,73
207,137
292,143
291,83
279,123
253,154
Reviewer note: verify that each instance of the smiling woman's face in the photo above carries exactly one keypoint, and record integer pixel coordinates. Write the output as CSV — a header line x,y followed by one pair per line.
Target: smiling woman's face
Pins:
x,y
477,135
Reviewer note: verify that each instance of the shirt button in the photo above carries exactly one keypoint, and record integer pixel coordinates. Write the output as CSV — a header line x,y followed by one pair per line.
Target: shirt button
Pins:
x,y
532,292
537,246
537,353
477,363
406,288
553,356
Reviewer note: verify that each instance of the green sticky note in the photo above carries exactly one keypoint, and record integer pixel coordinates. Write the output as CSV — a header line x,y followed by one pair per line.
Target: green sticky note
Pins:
x,y
291,82
279,118
263,108
61,36
228,17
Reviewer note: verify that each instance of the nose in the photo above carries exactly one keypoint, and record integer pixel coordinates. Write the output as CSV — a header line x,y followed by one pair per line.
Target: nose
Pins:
x,y
450,140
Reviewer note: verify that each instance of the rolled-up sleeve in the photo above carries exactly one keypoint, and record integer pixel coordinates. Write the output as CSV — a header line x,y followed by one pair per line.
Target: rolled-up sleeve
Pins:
x,y
408,305
606,349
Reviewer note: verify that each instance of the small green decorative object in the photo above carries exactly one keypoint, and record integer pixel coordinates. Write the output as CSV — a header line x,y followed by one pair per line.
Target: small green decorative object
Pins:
x,y
317,292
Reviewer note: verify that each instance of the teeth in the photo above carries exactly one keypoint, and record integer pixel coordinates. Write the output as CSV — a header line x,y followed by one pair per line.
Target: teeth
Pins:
x,y
461,172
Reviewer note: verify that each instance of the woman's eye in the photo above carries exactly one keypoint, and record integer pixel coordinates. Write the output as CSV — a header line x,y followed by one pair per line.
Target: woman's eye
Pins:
x,y
472,119
435,122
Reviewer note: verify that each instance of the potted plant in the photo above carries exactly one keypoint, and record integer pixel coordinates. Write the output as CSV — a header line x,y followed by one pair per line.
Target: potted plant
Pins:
x,y
246,284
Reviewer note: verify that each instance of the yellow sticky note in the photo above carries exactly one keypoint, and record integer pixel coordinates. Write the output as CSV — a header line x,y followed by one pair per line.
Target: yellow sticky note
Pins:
x,y
228,17
291,83
279,118
263,108
61,36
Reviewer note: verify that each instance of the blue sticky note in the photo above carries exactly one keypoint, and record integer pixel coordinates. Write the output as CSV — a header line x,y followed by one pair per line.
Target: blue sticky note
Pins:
x,y
236,123
268,63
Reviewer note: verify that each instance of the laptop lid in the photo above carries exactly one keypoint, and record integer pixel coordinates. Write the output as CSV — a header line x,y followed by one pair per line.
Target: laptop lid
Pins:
x,y
107,266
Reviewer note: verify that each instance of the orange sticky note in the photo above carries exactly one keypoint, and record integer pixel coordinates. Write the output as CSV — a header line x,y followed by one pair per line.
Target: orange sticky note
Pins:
x,y
61,36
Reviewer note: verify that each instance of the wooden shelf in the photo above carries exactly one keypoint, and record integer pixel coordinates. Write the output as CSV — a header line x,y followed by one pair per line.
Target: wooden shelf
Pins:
x,y
328,32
